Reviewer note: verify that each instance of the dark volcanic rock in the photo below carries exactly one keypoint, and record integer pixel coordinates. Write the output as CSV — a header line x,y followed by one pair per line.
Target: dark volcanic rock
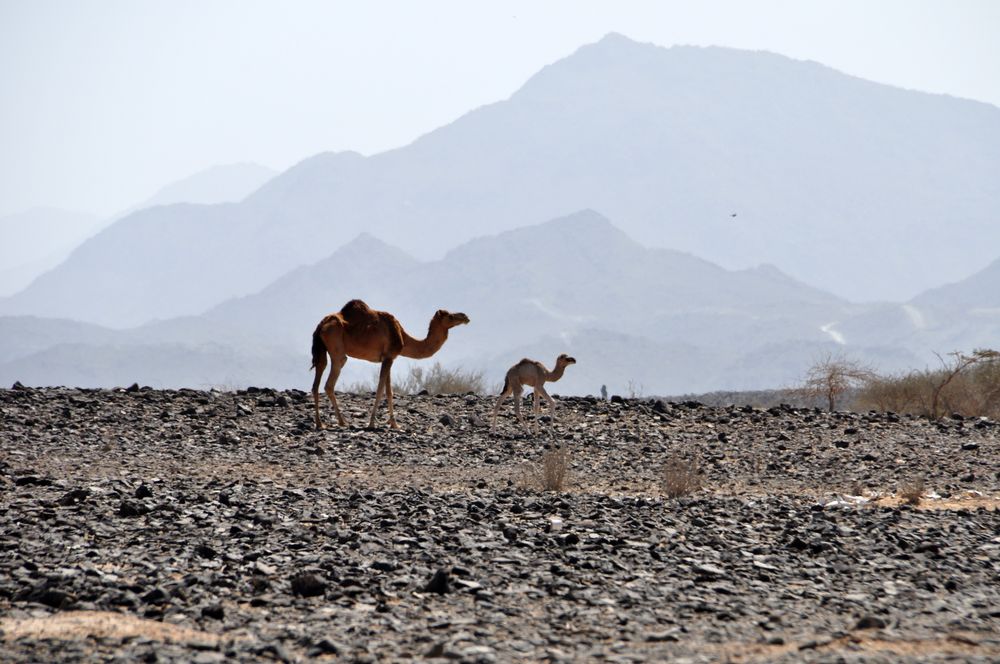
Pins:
x,y
214,611
73,497
307,584
870,622
437,539
129,509
440,583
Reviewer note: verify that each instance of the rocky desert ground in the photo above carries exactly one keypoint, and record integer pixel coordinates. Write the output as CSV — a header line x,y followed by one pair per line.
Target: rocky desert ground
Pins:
x,y
207,526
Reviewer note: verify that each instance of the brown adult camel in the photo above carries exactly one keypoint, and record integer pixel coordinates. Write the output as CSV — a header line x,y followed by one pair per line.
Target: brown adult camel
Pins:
x,y
534,374
363,333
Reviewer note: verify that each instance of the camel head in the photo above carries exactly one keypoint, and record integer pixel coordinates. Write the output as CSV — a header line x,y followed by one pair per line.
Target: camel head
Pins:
x,y
565,359
449,320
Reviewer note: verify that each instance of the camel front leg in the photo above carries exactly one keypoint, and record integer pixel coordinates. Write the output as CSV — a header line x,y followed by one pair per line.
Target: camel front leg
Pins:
x,y
383,376
552,403
536,409
388,395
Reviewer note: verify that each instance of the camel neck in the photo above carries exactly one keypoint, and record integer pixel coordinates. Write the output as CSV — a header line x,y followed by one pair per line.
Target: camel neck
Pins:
x,y
555,374
421,348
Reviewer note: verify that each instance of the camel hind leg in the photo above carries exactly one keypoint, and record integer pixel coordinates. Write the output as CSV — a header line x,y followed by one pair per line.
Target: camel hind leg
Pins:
x,y
331,383
320,365
508,389
550,400
536,407
388,398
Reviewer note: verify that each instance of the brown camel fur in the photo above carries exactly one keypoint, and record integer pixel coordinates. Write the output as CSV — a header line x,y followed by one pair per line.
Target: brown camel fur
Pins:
x,y
363,333
534,374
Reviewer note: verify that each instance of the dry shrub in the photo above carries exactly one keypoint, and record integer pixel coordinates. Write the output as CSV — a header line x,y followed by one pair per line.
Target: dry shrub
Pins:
x,y
912,491
965,384
908,393
435,380
440,380
680,477
551,473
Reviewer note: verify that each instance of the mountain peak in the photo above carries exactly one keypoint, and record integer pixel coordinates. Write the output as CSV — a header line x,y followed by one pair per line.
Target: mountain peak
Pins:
x,y
370,248
364,241
616,39
584,228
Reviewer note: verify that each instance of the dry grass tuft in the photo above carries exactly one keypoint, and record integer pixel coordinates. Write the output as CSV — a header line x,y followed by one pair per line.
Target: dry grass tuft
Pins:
x,y
912,492
680,477
436,379
551,473
441,380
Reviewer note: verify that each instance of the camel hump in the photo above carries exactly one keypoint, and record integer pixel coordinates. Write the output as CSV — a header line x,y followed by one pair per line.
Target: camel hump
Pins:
x,y
355,309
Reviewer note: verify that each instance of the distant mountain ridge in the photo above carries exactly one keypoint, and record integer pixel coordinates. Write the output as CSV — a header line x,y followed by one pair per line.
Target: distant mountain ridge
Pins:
x,y
36,240
225,183
663,318
740,158
654,321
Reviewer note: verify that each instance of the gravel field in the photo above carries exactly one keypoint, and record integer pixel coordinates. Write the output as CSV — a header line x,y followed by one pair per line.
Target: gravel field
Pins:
x,y
193,526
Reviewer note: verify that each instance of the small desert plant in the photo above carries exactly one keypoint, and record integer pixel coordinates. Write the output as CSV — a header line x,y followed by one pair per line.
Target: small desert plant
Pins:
x,y
912,492
551,472
634,389
680,477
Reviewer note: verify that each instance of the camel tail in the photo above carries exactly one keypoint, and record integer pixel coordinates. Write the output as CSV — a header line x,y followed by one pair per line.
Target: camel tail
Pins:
x,y
506,384
318,347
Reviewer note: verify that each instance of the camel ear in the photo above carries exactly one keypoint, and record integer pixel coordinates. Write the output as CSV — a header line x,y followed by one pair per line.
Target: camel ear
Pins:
x,y
440,313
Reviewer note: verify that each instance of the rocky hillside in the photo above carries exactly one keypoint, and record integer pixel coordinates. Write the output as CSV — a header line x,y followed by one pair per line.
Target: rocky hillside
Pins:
x,y
201,526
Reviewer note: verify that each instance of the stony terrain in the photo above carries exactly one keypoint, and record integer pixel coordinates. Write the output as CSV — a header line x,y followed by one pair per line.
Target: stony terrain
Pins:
x,y
142,525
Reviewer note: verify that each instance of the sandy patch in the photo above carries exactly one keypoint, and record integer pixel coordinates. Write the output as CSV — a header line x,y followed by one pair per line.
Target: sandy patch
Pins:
x,y
967,501
80,625
952,645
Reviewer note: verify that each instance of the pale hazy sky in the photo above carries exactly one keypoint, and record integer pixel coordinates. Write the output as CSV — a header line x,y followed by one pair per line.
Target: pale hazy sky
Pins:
x,y
102,102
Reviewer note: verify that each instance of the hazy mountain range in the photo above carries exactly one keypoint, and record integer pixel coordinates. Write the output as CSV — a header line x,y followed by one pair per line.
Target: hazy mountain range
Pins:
x,y
652,320
759,211
226,183
37,240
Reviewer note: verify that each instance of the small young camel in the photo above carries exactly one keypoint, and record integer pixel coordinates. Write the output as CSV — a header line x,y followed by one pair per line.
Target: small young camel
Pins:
x,y
533,374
